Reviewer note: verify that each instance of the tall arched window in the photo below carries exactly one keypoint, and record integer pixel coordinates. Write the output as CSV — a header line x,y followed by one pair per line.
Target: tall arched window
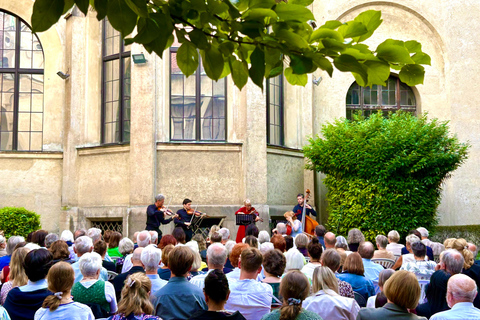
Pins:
x,y
396,95
21,86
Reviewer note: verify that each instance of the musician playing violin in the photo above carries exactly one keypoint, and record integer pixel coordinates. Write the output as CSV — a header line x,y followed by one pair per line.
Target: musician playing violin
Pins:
x,y
184,218
156,215
298,209
246,209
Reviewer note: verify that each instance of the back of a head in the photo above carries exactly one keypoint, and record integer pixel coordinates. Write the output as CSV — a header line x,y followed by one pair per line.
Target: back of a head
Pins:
x,y
263,237
216,255
315,249
419,249
381,241
265,247
411,239
323,278
251,260
216,237
151,257
294,288
416,232
39,237
154,236
202,244
135,298
274,262
366,250
95,234
341,243
17,271
384,276
251,241
294,260
216,286
225,233
288,242
67,235
180,260
461,246
229,246
354,264
79,233
37,263
114,240
83,245
462,288
423,232
50,238
301,241
330,239
402,289
448,243
143,239
331,259
236,252
320,230
355,236
393,236
90,263
107,234
179,235
453,261
59,250
279,242
125,246
100,247
60,281
281,228
12,243
252,230
168,239
166,252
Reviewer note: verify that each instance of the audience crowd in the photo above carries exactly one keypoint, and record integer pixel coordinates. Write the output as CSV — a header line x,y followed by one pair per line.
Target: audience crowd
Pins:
x,y
90,274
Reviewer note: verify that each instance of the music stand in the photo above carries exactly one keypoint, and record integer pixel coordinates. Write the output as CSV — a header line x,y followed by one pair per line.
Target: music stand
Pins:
x,y
204,224
244,219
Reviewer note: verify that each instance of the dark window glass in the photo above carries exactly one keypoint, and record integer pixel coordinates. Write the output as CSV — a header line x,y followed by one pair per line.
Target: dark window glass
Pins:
x,y
21,86
116,87
275,121
396,95
197,105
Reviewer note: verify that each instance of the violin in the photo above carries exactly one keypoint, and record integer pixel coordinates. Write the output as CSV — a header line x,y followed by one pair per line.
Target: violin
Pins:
x,y
257,214
193,211
166,211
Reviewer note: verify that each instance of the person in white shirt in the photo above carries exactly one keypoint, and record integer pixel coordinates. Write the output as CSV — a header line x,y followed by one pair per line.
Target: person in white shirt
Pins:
x,y
150,258
372,269
252,298
216,258
393,245
143,239
84,245
461,291
422,269
315,250
437,247
326,301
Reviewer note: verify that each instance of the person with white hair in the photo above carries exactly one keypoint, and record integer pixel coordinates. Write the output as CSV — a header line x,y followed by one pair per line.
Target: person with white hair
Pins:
x,y
11,244
225,233
91,289
50,238
437,247
263,237
461,291
265,247
393,245
84,245
95,234
295,260
229,246
216,257
156,215
3,246
281,229
143,240
150,258
154,237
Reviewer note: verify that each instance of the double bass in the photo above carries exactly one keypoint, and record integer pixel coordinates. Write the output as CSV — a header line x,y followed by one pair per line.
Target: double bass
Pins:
x,y
308,223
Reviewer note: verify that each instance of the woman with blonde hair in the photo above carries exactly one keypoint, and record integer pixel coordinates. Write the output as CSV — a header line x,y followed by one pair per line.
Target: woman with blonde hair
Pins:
x,y
326,301
60,305
469,267
294,288
17,276
135,302
294,223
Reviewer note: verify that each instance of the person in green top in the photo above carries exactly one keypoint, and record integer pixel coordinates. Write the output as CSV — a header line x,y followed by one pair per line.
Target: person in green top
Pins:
x,y
114,240
294,288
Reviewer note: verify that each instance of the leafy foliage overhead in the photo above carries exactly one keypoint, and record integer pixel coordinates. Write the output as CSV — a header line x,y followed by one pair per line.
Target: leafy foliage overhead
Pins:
x,y
251,38
384,173
18,221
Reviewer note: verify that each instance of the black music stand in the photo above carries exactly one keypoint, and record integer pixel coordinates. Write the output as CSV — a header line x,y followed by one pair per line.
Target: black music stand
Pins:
x,y
203,225
244,219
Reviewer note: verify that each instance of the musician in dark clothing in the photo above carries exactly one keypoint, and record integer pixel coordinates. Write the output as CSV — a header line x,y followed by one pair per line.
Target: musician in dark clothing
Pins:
x,y
298,209
156,215
184,219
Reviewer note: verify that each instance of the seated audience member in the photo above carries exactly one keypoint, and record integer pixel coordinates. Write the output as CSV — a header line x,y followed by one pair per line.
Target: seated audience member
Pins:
x,y
403,292
216,257
100,247
315,250
30,236
39,237
274,263
279,242
234,258
22,302
17,276
3,246
202,245
326,301
113,243
79,233
288,242
382,278
330,240
154,236
84,245
126,247
216,237
178,299
196,266
419,236
451,263
382,252
252,298
229,246
137,266
216,294
135,302
263,237
281,229
143,239
301,243
469,268
60,305
213,229
106,236
422,269
408,256
164,271
295,260
320,234
353,273
461,292
251,241
151,257
225,233
294,289
67,236
11,243
342,248
252,230
266,246
372,269
49,239
354,238
95,234
179,235
448,243
331,259
60,252
92,290
393,245
437,247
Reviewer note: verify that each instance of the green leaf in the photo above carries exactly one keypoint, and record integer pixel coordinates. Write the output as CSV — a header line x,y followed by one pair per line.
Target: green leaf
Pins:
x,y
301,2
421,58
293,12
213,62
371,19
101,8
46,13
68,5
352,29
139,7
331,24
121,17
323,63
291,38
394,53
324,33
165,36
187,58
148,31
261,3
257,69
301,65
199,39
413,46
412,74
378,72
82,5
347,63
239,73
259,14
295,79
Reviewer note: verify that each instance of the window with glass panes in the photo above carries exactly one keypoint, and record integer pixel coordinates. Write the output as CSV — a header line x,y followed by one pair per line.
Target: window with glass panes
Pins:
x,y
197,105
115,87
21,86
396,95
275,134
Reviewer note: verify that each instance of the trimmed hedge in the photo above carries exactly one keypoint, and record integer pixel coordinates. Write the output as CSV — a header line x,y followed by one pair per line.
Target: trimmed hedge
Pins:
x,y
384,173
471,233
18,221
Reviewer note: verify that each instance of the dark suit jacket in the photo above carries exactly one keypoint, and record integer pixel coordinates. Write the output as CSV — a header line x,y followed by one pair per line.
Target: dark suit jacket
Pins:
x,y
389,311
119,281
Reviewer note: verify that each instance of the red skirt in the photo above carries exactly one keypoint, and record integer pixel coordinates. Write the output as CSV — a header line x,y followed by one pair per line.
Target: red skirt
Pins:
x,y
240,233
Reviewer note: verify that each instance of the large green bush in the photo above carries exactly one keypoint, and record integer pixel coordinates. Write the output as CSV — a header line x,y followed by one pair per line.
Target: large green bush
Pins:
x,y
384,173
18,221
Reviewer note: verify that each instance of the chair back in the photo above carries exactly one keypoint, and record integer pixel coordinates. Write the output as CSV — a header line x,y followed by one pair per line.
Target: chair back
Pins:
x,y
386,263
111,274
360,299
423,286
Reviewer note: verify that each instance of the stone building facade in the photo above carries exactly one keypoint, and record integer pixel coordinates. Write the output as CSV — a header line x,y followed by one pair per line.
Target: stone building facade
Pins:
x,y
115,133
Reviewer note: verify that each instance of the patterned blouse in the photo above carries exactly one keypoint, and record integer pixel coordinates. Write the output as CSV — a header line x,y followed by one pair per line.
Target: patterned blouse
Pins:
x,y
345,289
131,316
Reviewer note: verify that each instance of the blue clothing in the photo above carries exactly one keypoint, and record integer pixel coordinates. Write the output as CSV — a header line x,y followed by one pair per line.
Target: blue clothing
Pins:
x,y
299,230
372,269
322,241
155,217
298,210
164,273
360,284
70,311
429,253
78,275
23,305
32,286
5,261
460,311
178,299
183,217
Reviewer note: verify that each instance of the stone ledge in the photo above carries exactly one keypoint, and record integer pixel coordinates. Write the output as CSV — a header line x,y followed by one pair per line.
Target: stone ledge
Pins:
x,y
213,147
87,151
31,155
282,151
